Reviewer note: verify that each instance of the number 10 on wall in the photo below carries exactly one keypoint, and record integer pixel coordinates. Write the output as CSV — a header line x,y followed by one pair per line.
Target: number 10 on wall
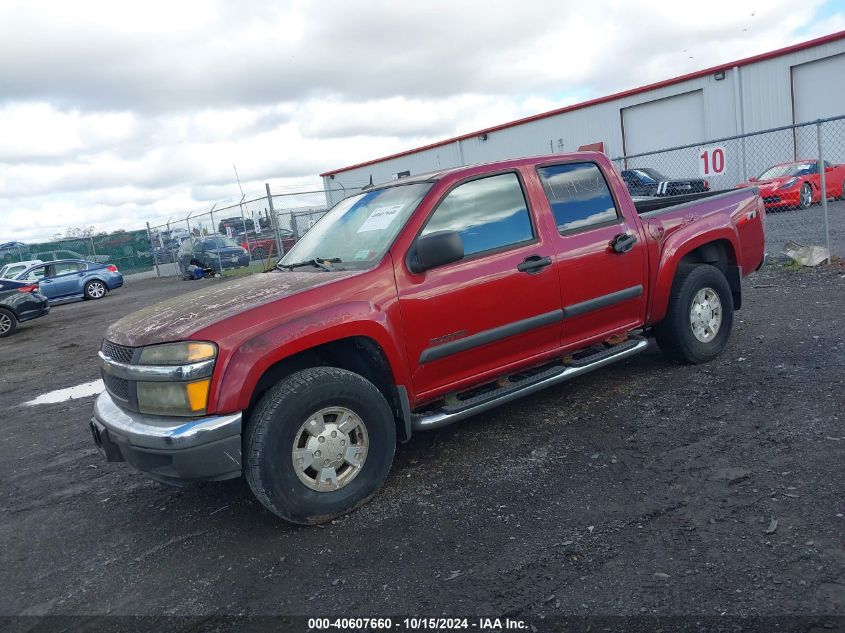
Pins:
x,y
712,161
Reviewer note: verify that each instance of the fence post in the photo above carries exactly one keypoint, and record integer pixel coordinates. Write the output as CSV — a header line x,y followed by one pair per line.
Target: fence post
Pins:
x,y
273,221
246,232
153,250
93,250
824,188
20,257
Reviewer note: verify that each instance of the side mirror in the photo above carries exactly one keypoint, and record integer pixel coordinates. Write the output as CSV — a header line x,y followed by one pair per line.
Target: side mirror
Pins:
x,y
437,249
752,179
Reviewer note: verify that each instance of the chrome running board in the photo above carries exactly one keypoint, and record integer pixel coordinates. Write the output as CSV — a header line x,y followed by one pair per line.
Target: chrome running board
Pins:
x,y
548,378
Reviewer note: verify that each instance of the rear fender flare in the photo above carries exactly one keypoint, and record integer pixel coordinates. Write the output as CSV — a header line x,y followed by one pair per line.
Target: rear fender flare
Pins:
x,y
676,247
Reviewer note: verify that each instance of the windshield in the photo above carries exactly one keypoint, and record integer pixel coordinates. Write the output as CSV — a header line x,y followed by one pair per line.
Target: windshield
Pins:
x,y
358,230
783,171
644,177
219,242
655,175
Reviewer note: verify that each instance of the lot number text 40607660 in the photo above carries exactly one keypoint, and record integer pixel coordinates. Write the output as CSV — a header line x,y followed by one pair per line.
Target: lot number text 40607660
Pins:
x,y
417,624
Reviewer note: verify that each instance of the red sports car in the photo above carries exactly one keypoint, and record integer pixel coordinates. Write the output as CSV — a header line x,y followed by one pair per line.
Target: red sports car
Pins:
x,y
797,185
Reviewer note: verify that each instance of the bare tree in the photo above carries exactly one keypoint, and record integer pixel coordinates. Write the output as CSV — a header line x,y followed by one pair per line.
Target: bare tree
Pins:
x,y
76,232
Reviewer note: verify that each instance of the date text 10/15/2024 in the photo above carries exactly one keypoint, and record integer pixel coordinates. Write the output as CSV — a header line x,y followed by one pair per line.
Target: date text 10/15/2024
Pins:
x,y
417,624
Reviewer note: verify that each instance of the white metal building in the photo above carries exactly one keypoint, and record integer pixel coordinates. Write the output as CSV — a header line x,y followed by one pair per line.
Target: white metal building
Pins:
x,y
800,83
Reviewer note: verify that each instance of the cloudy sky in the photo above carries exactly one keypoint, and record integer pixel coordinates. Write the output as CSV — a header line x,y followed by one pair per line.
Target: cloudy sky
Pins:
x,y
113,113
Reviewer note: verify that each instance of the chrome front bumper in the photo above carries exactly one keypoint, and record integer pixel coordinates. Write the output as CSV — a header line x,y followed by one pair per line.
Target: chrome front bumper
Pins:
x,y
169,449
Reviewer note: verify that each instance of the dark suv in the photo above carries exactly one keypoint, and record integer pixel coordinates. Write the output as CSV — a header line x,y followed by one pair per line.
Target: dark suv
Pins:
x,y
213,251
238,225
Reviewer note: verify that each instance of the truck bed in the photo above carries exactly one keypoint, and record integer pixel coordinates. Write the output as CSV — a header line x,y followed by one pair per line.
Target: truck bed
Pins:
x,y
649,207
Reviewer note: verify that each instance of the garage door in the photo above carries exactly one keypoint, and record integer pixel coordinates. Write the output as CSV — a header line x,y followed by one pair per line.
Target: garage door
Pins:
x,y
664,123
819,92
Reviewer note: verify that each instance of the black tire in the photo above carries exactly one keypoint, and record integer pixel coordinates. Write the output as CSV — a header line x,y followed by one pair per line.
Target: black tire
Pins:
x,y
259,254
274,426
95,289
805,201
842,195
8,322
675,335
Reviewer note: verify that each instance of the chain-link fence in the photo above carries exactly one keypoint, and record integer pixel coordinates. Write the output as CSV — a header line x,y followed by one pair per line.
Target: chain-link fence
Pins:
x,y
130,251
247,236
784,163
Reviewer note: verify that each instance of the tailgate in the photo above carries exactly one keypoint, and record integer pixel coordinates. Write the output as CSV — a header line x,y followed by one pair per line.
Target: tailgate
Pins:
x,y
749,221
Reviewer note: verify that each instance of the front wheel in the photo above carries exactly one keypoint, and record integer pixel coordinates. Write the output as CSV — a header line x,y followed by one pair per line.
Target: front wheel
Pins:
x,y
699,319
319,444
94,289
259,254
805,197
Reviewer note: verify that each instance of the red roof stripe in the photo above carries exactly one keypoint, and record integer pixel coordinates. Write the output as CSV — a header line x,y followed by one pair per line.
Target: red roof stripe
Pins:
x,y
619,95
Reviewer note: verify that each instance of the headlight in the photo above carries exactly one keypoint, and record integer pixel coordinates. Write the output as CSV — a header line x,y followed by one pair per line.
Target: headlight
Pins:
x,y
165,391
178,353
788,183
173,398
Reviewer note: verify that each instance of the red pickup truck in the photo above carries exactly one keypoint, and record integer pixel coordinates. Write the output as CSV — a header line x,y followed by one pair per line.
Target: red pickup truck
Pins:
x,y
413,305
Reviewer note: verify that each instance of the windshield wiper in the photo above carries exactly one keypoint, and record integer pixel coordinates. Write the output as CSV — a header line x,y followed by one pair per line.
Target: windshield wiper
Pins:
x,y
317,262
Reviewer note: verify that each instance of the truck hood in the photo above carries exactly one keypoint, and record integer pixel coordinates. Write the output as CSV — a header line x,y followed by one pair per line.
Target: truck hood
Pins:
x,y
770,184
178,318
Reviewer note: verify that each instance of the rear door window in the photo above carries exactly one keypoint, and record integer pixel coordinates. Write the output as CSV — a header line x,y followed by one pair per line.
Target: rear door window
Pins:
x,y
65,268
579,196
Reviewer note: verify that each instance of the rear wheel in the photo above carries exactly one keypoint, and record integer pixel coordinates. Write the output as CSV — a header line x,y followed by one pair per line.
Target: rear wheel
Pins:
x,y
94,289
318,444
699,318
805,197
259,253
8,322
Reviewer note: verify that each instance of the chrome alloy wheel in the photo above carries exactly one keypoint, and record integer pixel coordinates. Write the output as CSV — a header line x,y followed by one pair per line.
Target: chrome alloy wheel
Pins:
x,y
5,323
330,449
806,196
705,315
96,290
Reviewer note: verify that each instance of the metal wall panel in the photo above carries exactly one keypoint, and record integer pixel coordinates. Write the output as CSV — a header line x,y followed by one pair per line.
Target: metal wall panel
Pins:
x,y
767,87
654,125
819,88
765,101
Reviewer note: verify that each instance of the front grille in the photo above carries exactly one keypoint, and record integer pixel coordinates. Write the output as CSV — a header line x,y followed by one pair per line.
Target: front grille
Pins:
x,y
117,387
117,352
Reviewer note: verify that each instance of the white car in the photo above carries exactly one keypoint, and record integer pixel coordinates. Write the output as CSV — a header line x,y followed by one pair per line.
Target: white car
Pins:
x,y
10,271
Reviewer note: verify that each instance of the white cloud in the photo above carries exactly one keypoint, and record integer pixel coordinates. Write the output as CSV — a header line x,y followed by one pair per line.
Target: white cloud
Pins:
x,y
113,113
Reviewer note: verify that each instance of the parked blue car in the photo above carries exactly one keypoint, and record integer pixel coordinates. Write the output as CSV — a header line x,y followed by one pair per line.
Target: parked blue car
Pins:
x,y
69,279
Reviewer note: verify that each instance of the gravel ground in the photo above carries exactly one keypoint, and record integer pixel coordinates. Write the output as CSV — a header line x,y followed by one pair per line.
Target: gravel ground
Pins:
x,y
643,488
806,227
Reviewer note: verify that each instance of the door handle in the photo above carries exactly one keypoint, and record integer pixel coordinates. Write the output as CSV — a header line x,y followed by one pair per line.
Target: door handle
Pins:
x,y
533,264
623,243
